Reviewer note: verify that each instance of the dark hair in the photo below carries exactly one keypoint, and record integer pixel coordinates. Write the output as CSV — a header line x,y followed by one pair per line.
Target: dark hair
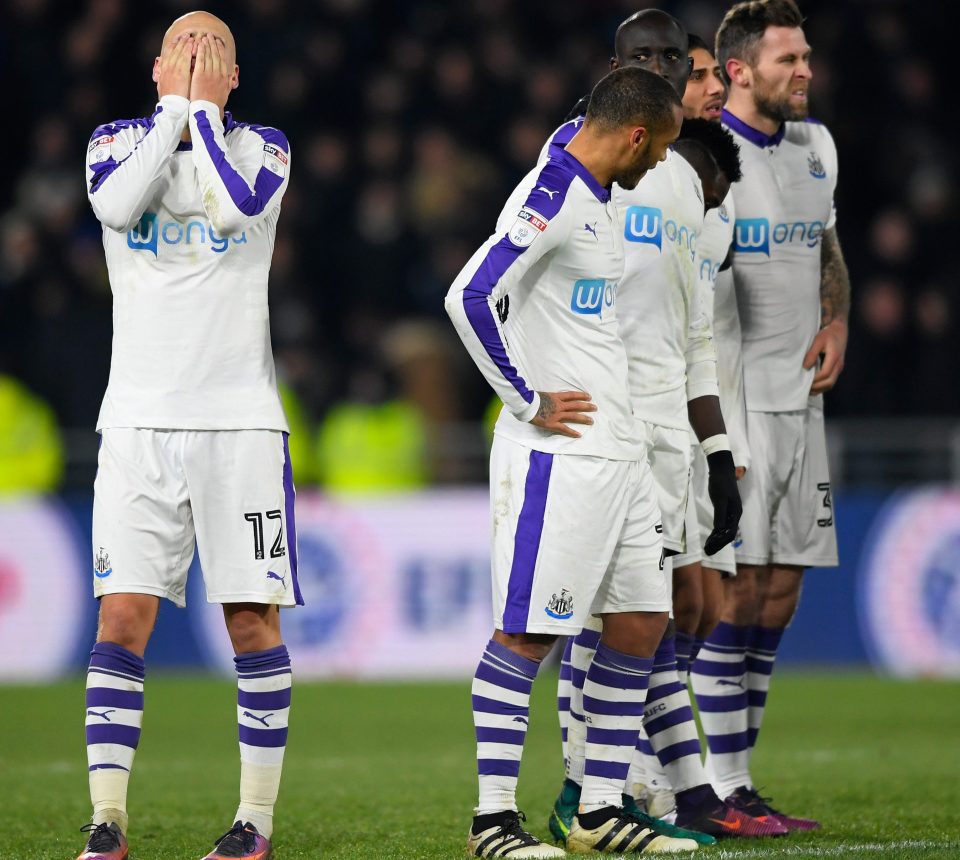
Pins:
x,y
743,27
694,41
628,95
718,142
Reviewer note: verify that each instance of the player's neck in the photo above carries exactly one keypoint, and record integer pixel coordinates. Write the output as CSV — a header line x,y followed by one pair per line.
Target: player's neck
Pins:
x,y
743,107
593,153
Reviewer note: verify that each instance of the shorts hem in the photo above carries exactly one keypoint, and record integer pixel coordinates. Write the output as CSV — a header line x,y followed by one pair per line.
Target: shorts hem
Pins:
x,y
253,597
645,606
675,547
123,588
545,629
807,562
687,558
724,567
793,561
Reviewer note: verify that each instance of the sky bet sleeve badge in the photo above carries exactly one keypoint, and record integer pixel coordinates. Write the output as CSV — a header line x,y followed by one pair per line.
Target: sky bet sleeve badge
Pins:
x,y
526,228
275,159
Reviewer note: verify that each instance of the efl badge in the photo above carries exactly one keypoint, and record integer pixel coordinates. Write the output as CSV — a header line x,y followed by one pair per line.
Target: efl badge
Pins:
x,y
526,228
275,159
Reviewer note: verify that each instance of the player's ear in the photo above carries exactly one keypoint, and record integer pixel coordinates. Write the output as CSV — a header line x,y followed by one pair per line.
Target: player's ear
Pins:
x,y
638,137
614,63
738,72
235,77
156,70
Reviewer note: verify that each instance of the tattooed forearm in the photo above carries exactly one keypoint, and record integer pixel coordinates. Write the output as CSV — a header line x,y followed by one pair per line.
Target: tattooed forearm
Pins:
x,y
834,280
547,406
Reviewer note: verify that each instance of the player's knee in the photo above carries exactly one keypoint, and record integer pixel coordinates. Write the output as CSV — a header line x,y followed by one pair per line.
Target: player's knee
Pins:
x,y
252,627
709,618
635,633
127,620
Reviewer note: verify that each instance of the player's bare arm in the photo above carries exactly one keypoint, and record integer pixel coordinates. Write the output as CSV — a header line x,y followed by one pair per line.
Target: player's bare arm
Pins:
x,y
831,341
175,58
560,408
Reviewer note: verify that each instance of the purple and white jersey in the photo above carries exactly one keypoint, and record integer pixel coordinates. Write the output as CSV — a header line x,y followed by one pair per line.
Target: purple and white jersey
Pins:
x,y
783,204
536,308
188,231
664,327
719,302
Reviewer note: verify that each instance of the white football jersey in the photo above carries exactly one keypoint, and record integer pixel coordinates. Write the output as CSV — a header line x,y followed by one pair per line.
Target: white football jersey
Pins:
x,y
720,306
536,307
783,204
188,231
662,322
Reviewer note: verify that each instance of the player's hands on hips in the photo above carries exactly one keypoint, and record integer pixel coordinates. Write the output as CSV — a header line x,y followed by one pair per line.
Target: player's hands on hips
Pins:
x,y
211,80
558,409
727,507
831,343
174,78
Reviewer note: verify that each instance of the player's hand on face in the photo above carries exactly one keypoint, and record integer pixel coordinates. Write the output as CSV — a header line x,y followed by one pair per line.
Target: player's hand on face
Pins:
x,y
727,507
211,74
558,409
831,343
175,59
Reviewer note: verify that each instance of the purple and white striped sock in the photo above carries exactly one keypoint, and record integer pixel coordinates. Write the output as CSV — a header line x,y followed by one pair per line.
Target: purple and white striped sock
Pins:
x,y
501,714
669,724
581,656
719,679
683,643
614,694
264,684
762,645
563,696
695,647
114,705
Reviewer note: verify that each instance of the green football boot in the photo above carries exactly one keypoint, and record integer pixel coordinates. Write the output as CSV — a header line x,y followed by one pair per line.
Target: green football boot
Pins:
x,y
658,825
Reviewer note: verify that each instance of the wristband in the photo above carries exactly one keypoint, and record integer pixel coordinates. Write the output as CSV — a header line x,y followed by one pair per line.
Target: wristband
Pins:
x,y
719,442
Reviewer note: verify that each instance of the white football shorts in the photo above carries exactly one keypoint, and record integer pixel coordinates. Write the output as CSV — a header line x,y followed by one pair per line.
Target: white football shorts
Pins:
x,y
159,493
571,536
787,504
700,521
668,450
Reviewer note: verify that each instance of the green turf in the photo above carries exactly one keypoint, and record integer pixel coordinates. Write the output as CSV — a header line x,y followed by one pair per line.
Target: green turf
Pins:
x,y
385,771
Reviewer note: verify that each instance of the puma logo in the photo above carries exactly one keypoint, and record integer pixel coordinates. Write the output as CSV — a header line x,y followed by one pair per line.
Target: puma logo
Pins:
x,y
723,682
547,191
262,719
102,714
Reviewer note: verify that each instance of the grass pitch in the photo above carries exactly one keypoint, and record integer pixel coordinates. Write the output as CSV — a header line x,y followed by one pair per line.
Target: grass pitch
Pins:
x,y
386,770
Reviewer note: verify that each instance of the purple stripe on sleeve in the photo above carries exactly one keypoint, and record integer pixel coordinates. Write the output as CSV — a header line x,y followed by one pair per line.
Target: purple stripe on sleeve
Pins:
x,y
498,767
106,697
263,737
527,543
563,135
273,700
290,512
265,185
126,736
102,170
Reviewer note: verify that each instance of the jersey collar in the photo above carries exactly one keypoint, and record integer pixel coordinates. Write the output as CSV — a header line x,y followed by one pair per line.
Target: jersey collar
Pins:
x,y
755,136
558,152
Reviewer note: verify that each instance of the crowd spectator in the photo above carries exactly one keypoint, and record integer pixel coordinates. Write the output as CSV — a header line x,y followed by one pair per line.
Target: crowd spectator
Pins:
x,y
409,122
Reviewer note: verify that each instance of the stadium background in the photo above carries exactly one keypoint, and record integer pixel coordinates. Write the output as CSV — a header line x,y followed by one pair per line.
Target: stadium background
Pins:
x,y
409,124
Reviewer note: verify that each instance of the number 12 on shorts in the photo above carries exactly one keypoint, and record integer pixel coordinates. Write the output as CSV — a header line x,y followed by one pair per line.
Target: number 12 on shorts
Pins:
x,y
277,550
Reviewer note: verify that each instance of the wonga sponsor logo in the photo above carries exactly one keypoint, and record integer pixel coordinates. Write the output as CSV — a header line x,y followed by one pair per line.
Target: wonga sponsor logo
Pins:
x,y
150,233
646,224
592,295
754,235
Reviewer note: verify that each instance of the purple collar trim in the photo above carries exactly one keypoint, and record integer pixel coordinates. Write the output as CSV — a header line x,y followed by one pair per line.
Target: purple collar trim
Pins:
x,y
184,146
602,194
750,133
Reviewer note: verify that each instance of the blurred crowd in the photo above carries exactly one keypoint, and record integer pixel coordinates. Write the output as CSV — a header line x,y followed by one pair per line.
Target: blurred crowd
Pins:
x,y
410,122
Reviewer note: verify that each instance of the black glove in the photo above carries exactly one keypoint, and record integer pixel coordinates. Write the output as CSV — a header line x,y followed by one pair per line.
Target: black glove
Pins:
x,y
725,496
